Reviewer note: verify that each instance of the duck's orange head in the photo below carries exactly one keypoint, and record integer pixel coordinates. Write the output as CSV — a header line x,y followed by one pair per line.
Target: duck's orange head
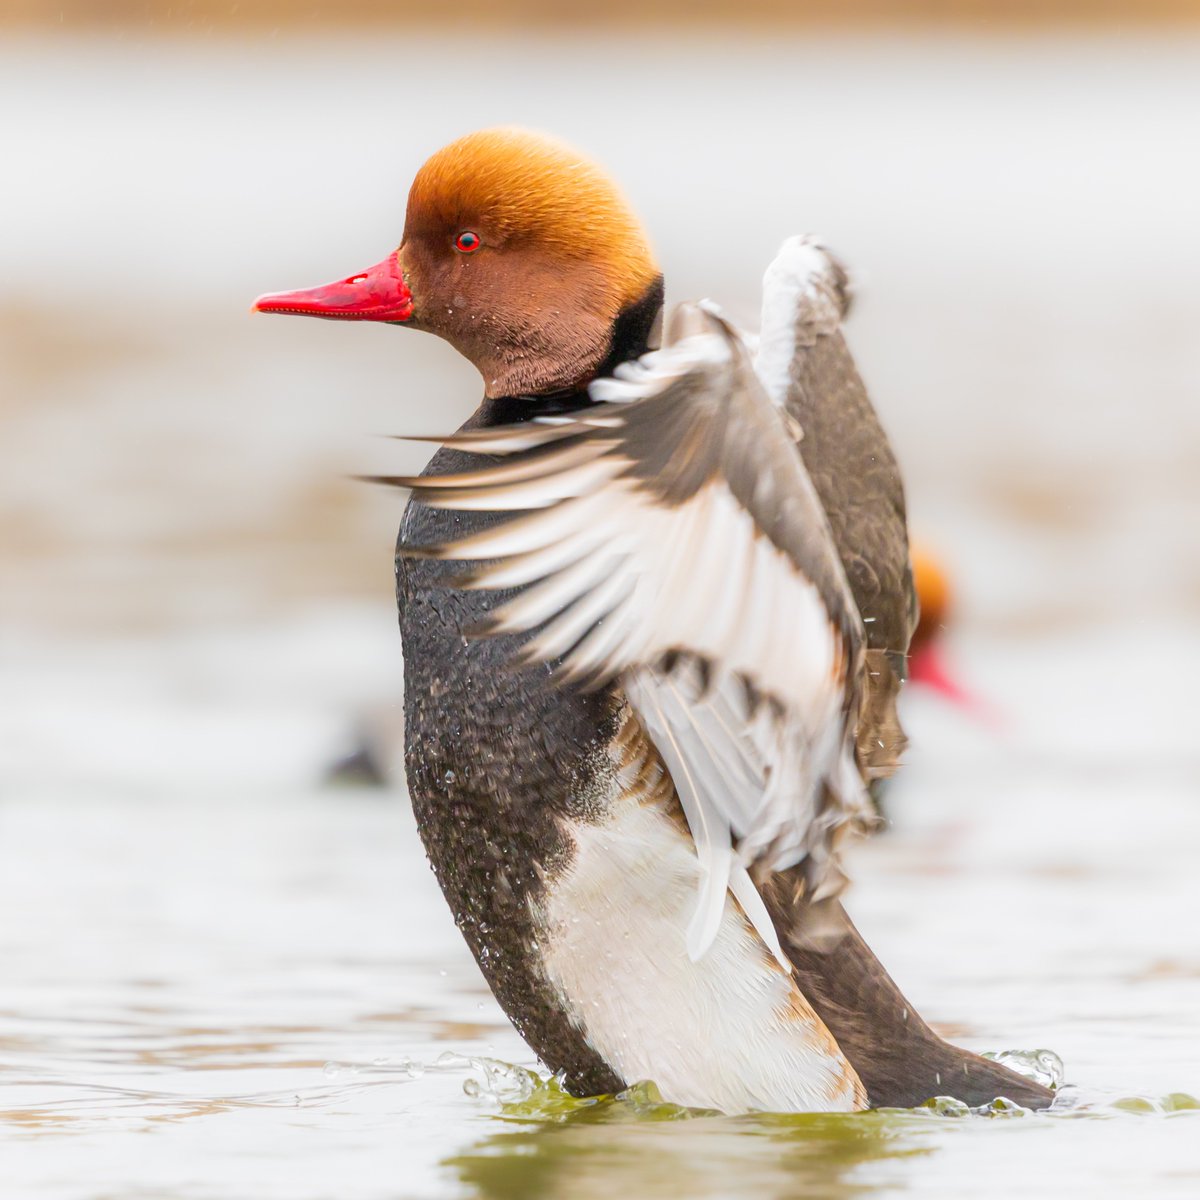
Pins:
x,y
933,596
517,250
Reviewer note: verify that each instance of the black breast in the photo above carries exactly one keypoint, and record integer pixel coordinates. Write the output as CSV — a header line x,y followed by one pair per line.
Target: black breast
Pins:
x,y
498,756
495,756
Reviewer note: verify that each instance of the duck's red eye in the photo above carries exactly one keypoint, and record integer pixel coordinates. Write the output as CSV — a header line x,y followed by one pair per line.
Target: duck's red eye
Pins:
x,y
467,241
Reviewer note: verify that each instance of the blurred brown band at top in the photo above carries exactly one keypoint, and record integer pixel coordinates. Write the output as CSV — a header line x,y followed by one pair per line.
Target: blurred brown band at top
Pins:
x,y
196,15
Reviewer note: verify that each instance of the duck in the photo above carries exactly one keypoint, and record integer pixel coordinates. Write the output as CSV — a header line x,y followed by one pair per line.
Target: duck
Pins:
x,y
927,664
655,602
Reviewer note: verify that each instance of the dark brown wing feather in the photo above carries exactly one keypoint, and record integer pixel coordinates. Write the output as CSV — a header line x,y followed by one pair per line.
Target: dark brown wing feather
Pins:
x,y
857,479
854,470
900,1060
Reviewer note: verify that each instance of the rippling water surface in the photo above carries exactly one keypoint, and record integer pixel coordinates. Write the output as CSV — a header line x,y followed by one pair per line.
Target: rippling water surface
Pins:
x,y
214,990
223,979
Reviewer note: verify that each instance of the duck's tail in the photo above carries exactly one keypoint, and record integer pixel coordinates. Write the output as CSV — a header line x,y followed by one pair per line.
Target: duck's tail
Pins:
x,y
900,1060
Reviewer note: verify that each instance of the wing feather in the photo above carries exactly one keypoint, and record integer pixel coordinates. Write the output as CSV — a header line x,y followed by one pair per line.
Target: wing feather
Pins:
x,y
807,369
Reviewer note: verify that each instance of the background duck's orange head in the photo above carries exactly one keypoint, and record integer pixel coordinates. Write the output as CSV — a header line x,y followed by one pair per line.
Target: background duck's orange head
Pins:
x,y
517,250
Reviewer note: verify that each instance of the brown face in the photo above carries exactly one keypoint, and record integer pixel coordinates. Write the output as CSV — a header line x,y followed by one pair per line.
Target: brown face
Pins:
x,y
510,305
517,251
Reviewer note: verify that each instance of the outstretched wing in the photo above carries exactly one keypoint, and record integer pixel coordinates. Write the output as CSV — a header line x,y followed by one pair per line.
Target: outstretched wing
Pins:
x,y
808,371
669,538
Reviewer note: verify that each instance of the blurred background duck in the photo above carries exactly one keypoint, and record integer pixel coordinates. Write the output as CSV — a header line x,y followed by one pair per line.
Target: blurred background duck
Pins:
x,y
927,663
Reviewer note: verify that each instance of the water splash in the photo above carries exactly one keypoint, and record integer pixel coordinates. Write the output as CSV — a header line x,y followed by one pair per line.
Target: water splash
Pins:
x,y
524,1095
1042,1066
520,1094
1172,1103
502,1082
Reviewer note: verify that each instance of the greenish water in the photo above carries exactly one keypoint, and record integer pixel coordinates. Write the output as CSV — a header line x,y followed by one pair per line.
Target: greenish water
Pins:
x,y
616,1143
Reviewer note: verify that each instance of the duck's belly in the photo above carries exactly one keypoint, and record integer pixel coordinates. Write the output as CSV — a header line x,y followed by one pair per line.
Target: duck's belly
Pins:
x,y
731,1031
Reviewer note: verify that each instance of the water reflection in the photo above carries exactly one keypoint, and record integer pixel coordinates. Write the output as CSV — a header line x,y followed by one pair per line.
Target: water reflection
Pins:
x,y
635,1145
608,1151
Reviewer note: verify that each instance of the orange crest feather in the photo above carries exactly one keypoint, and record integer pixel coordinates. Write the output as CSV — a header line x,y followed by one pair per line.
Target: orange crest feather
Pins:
x,y
525,186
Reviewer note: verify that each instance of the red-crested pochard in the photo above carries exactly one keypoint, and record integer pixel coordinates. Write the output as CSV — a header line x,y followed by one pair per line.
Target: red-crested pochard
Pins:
x,y
655,607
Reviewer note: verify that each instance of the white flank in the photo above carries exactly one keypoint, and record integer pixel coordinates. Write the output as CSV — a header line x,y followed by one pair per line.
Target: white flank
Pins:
x,y
800,302
731,1031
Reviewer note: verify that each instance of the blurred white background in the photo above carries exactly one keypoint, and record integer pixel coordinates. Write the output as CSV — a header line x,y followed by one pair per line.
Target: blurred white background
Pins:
x,y
197,602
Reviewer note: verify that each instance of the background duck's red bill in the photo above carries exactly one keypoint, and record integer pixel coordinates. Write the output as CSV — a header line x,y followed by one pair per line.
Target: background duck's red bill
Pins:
x,y
376,294
927,665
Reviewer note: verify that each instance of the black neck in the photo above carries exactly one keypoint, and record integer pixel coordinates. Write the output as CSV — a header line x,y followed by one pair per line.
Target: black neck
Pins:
x,y
632,334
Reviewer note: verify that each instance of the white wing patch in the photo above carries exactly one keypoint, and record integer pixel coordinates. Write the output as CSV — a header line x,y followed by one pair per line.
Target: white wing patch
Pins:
x,y
633,380
804,296
745,779
633,580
